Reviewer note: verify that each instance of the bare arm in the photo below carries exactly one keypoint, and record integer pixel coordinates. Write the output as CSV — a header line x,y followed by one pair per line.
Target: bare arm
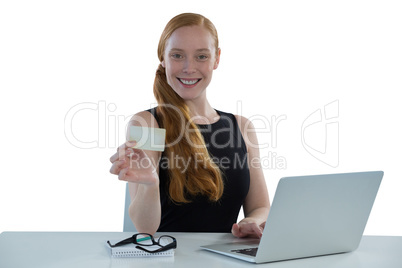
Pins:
x,y
257,205
140,169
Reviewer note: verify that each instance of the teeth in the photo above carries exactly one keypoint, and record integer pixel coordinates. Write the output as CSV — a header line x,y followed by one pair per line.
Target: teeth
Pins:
x,y
189,82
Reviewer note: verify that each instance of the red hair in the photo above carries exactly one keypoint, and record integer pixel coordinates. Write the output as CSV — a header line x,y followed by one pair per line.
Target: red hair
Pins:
x,y
206,178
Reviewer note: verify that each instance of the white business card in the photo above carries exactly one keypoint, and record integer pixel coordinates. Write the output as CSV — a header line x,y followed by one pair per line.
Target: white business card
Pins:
x,y
148,138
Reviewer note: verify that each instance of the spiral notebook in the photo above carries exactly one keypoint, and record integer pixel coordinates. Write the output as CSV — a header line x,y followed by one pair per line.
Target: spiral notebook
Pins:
x,y
130,250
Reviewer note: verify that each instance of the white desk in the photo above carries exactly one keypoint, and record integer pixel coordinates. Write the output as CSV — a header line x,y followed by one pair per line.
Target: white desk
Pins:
x,y
50,249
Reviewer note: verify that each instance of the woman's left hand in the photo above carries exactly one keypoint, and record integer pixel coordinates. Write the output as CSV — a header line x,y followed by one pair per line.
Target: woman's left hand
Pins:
x,y
247,228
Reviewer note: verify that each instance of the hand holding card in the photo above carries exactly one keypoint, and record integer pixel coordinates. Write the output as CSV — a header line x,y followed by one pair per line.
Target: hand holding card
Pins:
x,y
147,138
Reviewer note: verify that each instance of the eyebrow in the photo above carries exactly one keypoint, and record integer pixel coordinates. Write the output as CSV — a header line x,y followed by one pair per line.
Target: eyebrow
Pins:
x,y
198,50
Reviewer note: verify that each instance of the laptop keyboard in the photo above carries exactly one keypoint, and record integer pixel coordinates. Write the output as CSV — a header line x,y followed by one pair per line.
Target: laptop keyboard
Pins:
x,y
247,251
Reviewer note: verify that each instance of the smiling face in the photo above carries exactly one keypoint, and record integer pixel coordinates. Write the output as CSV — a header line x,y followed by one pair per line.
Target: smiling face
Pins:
x,y
189,60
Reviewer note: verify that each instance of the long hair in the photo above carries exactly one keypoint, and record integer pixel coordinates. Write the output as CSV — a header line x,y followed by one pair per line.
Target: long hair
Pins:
x,y
201,176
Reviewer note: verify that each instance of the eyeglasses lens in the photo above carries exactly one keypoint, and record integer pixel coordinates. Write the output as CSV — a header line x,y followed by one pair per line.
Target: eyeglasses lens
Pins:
x,y
144,240
165,240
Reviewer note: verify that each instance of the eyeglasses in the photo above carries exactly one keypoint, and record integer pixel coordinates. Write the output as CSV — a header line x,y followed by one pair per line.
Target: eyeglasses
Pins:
x,y
165,242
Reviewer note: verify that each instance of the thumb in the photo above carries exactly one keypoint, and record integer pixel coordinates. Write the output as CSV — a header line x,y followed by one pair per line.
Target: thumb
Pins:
x,y
131,144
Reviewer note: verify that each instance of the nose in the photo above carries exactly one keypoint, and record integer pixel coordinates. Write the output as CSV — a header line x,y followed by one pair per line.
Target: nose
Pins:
x,y
189,66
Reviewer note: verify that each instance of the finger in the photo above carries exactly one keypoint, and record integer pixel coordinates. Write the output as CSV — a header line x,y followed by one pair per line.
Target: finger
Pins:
x,y
131,152
119,156
114,158
121,151
139,152
250,229
122,174
257,230
236,231
253,229
139,156
117,166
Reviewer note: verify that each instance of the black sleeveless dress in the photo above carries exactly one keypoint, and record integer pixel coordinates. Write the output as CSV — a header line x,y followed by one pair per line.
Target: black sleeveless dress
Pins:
x,y
225,144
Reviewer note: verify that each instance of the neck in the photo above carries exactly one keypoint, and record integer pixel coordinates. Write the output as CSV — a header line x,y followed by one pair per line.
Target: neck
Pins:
x,y
202,112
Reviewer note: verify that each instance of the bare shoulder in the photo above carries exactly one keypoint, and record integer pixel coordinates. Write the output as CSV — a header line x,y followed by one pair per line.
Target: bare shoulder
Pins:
x,y
249,134
144,119
244,124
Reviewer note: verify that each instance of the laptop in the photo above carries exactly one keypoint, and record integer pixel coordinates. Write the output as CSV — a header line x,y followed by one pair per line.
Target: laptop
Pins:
x,y
311,216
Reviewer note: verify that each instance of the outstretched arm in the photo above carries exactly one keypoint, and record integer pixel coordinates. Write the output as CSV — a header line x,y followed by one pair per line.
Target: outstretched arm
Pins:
x,y
140,169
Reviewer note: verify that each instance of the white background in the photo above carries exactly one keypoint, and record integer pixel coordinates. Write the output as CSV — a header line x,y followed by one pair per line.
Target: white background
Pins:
x,y
280,58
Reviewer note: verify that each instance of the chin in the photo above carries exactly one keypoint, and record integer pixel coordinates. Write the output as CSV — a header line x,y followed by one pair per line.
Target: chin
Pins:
x,y
189,94
186,97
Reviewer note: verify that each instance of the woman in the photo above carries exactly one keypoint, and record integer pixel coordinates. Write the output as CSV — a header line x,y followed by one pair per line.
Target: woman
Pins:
x,y
208,169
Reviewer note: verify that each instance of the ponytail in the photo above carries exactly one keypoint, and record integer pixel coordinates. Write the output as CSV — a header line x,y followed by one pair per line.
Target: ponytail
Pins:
x,y
201,176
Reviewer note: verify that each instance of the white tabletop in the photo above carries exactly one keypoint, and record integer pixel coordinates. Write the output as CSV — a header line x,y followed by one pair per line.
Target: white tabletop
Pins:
x,y
86,249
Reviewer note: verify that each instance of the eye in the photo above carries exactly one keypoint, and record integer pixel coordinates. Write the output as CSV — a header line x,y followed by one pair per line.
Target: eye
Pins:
x,y
176,56
202,57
